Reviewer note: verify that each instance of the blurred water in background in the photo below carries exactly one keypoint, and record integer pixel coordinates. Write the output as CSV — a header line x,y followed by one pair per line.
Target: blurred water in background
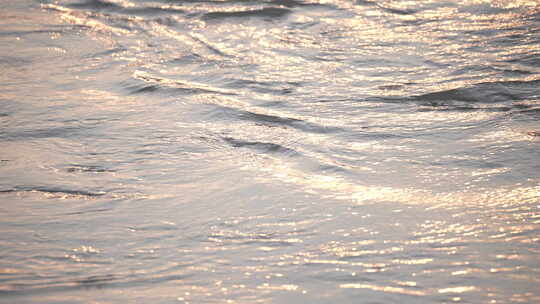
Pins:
x,y
285,151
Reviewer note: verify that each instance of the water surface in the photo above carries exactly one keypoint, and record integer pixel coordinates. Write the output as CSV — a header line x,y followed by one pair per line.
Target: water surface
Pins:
x,y
278,151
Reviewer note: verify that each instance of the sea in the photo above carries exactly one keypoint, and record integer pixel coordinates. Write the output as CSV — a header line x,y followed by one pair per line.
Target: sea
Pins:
x,y
270,151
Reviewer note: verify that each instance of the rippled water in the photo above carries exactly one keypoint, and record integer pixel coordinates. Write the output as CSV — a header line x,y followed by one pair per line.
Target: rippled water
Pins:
x,y
278,151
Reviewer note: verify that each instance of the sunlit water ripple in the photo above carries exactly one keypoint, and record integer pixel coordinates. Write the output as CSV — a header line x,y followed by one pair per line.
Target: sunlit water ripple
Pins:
x,y
278,151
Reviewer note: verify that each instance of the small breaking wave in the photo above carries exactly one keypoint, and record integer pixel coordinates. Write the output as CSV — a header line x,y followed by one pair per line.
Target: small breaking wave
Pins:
x,y
489,92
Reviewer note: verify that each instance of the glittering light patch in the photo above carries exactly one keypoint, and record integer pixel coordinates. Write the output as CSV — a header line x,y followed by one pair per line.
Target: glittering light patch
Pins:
x,y
388,289
284,287
460,289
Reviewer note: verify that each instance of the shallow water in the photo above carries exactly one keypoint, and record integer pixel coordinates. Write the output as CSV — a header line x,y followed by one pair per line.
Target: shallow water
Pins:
x,y
270,151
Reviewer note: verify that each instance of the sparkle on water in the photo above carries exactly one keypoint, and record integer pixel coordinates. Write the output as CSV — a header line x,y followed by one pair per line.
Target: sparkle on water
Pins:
x,y
275,151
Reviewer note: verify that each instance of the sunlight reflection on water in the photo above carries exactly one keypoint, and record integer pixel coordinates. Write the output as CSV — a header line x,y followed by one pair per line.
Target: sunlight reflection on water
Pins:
x,y
270,151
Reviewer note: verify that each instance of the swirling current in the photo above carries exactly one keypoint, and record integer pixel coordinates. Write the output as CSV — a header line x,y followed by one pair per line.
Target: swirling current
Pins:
x,y
270,151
